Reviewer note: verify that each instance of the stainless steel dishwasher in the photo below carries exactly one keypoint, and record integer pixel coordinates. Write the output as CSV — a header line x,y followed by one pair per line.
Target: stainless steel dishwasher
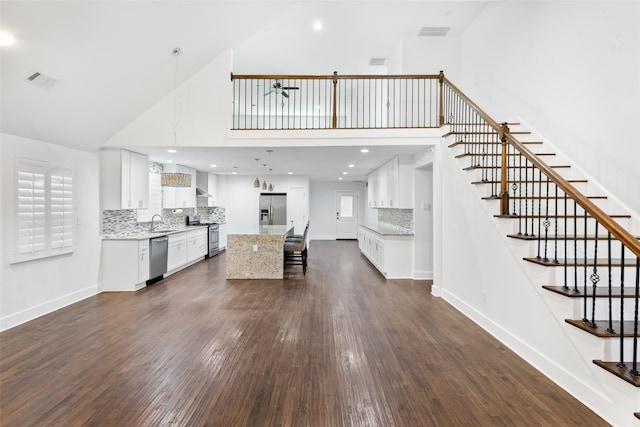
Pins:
x,y
158,248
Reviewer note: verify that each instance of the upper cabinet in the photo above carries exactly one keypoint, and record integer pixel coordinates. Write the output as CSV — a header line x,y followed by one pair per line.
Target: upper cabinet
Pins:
x,y
179,197
124,180
391,185
207,184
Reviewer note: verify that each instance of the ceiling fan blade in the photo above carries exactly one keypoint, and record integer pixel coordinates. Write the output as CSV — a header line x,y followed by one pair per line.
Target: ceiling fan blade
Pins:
x,y
267,93
285,94
291,88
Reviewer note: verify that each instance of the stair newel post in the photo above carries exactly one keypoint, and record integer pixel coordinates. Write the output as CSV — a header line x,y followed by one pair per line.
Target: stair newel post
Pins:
x,y
441,80
334,119
504,191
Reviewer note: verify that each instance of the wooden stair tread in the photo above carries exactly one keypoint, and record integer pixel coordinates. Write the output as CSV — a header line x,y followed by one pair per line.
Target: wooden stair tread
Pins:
x,y
460,156
573,181
637,415
623,373
563,237
580,262
468,168
581,216
601,328
540,198
454,144
601,291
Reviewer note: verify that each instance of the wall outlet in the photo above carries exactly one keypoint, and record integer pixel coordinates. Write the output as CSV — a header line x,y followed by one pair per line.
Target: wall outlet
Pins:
x,y
255,248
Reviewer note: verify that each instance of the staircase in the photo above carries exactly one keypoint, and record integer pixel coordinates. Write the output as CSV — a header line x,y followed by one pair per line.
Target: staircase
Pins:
x,y
571,238
560,236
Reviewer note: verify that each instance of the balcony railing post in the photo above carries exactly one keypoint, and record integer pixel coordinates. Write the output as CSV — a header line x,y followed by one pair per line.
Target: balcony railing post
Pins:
x,y
334,119
504,191
441,106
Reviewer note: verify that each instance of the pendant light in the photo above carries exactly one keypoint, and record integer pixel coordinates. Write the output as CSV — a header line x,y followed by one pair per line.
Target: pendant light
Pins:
x,y
175,179
270,185
264,182
256,183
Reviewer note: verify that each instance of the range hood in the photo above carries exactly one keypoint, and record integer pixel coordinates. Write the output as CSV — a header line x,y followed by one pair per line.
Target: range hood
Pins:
x,y
201,193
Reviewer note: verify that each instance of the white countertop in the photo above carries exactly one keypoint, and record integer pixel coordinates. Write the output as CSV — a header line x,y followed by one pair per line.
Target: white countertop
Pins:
x,y
386,230
149,235
267,230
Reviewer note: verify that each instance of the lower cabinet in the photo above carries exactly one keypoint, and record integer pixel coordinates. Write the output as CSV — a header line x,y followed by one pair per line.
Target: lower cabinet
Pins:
x,y
125,264
197,243
392,255
177,251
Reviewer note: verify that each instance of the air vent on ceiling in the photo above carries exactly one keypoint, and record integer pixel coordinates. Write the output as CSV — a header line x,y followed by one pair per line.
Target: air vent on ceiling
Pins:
x,y
433,31
41,80
377,61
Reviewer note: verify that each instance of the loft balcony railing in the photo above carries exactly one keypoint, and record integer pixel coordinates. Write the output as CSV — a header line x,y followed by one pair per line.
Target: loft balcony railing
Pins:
x,y
336,102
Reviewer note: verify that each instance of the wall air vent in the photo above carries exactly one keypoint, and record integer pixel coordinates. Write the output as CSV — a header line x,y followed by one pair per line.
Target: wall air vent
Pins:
x,y
41,80
377,61
433,31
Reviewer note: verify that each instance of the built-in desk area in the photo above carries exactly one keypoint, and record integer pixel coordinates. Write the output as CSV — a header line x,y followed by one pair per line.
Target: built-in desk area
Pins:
x,y
257,253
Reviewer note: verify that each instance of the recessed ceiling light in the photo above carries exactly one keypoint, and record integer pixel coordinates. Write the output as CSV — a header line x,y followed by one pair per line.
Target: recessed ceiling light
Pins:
x,y
289,173
234,173
345,173
317,25
6,39
169,161
364,150
172,151
214,166
340,179
351,165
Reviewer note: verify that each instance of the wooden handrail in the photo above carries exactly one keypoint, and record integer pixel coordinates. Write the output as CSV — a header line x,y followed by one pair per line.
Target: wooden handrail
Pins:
x,y
333,76
598,214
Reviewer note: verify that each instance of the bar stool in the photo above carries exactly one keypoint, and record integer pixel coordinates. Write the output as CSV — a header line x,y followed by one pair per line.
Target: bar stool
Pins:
x,y
295,251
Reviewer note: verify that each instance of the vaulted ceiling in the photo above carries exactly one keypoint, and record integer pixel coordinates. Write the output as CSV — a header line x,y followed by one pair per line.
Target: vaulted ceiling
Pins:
x,y
112,59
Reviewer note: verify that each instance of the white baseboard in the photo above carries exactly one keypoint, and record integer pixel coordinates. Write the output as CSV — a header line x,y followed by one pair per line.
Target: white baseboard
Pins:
x,y
15,319
423,275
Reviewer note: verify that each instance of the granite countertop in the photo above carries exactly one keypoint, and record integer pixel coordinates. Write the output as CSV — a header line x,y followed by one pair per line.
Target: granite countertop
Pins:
x,y
386,230
280,230
144,235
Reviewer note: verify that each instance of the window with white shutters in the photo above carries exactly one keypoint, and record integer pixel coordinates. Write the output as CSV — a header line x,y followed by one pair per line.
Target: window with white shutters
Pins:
x,y
44,210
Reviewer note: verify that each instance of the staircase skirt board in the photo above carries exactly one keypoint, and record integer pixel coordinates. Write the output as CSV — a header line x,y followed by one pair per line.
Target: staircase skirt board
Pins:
x,y
621,372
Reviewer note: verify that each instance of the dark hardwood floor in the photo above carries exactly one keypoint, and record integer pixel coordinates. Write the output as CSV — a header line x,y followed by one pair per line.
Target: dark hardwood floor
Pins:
x,y
337,347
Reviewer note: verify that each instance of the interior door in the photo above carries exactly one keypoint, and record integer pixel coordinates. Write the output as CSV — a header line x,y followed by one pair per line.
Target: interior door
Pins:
x,y
346,214
296,208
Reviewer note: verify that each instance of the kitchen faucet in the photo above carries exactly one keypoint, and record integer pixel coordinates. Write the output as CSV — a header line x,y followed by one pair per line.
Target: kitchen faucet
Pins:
x,y
156,215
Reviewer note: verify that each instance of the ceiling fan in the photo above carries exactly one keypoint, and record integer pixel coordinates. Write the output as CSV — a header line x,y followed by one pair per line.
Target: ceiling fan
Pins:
x,y
277,88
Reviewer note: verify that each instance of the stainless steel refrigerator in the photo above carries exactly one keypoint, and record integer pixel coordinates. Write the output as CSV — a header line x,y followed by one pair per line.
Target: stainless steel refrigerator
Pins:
x,y
273,209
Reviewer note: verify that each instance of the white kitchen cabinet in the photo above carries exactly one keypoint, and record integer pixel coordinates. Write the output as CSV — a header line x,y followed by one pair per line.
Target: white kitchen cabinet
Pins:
x,y
177,251
124,180
197,243
125,264
179,197
143,260
208,183
391,185
392,255
222,236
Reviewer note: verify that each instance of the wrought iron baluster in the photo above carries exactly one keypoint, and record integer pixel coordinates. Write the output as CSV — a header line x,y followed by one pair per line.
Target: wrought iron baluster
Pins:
x,y
555,241
575,247
634,361
584,238
621,364
539,214
546,223
594,277
565,266
610,273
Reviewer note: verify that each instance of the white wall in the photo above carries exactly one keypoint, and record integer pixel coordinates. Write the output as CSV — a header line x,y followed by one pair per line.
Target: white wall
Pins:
x,y
204,112
430,55
423,215
241,200
568,69
322,204
31,289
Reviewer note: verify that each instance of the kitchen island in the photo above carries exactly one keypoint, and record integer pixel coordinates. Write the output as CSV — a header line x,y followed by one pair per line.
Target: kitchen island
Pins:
x,y
257,253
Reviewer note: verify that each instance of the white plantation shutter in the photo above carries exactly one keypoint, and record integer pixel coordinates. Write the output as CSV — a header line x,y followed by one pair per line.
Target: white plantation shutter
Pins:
x,y
44,210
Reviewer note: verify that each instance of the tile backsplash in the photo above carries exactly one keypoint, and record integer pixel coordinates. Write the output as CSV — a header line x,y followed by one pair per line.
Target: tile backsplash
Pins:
x,y
401,219
124,222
